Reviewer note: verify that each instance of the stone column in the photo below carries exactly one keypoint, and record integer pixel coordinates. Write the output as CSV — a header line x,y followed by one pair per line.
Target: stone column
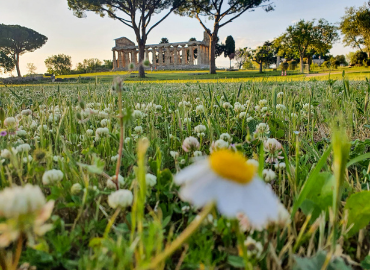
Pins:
x,y
175,56
114,60
146,53
191,53
183,60
167,56
123,56
199,55
120,64
160,56
154,63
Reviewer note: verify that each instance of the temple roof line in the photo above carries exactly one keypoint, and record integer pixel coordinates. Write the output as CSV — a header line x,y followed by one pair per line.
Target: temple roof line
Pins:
x,y
162,45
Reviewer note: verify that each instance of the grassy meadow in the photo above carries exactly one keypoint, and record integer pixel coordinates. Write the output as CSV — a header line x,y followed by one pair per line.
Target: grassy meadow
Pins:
x,y
183,171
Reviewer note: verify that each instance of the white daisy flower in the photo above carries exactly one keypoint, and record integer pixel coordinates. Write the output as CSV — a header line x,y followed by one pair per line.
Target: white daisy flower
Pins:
x,y
226,178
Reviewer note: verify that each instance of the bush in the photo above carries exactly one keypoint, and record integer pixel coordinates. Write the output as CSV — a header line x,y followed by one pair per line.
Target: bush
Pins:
x,y
358,58
284,66
292,65
334,63
326,64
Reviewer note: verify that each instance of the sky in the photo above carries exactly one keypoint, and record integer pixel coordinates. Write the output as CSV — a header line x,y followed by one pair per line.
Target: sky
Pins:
x,y
93,36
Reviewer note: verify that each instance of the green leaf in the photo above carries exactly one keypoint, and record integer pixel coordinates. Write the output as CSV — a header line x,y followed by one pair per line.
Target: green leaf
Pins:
x,y
366,262
358,207
358,159
316,262
310,182
236,261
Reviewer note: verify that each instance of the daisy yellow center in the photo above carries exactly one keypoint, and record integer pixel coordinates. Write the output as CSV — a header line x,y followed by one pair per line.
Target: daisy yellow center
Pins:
x,y
232,166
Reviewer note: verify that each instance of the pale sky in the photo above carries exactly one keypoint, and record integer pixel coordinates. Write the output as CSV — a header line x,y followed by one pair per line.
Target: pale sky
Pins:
x,y
93,37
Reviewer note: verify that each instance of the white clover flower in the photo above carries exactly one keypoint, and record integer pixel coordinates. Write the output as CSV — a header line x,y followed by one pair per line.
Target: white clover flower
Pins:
x,y
58,158
257,108
120,198
76,189
262,131
150,179
238,107
242,114
219,144
226,178
306,106
89,132
262,102
268,175
174,154
33,125
21,133
264,109
5,153
294,115
104,122
280,94
190,144
187,120
10,122
27,159
54,117
137,114
158,107
226,137
250,118
199,109
280,107
111,182
17,201
114,158
52,176
138,129
23,148
26,112
197,153
101,132
227,105
185,208
254,248
183,161
281,165
103,114
200,129
127,140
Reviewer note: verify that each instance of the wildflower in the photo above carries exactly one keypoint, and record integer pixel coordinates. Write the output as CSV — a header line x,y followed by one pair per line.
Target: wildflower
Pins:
x,y
111,182
227,105
27,159
52,176
199,109
26,210
174,154
280,107
120,198
281,165
26,112
103,114
185,208
5,153
280,94
250,118
197,153
21,133
294,115
262,131
23,147
89,132
104,122
183,161
127,140
3,133
114,158
190,144
76,189
138,129
100,132
242,114
273,148
226,137
137,114
200,129
150,179
264,109
254,248
268,175
187,120
238,107
226,178
10,122
219,144
262,102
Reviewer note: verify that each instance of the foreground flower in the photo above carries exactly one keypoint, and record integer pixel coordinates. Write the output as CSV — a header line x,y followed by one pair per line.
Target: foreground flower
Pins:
x,y
52,176
226,178
190,144
25,211
120,198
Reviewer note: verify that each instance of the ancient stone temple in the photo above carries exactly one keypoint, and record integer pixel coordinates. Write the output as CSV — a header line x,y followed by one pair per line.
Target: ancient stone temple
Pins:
x,y
179,55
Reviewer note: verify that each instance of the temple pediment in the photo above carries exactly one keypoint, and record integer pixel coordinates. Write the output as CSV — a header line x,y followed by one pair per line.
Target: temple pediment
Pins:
x,y
124,42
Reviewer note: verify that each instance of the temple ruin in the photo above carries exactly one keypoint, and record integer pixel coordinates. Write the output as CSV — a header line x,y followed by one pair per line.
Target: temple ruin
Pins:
x,y
179,55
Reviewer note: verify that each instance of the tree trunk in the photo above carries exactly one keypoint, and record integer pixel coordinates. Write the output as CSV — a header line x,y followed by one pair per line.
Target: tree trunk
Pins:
x,y
261,67
212,55
141,59
17,65
301,62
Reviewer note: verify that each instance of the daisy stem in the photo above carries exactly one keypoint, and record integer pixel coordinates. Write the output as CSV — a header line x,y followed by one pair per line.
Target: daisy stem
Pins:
x,y
182,238
18,252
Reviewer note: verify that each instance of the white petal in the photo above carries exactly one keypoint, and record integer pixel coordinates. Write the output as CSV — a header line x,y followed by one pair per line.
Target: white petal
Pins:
x,y
194,170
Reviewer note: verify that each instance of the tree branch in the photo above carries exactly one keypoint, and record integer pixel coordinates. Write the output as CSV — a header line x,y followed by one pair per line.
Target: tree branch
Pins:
x,y
154,25
229,21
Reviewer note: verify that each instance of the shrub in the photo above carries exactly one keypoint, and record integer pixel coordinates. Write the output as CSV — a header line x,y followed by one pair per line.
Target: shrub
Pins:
x,y
358,58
